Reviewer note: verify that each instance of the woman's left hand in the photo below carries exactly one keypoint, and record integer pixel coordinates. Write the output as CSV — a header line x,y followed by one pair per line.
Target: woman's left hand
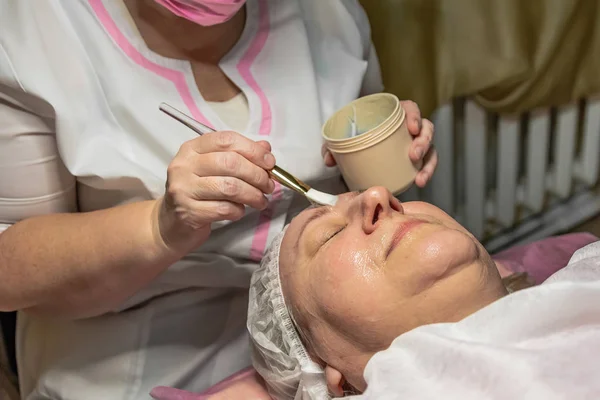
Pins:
x,y
421,149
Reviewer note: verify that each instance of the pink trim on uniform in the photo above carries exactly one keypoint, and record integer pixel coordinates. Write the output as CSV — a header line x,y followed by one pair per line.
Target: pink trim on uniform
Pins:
x,y
245,64
261,235
177,77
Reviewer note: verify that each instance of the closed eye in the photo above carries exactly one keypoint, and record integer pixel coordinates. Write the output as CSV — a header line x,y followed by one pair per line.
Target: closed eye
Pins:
x,y
331,236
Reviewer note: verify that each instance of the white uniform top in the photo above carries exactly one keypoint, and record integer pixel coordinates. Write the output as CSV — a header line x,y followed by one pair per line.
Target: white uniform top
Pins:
x,y
78,72
539,343
235,112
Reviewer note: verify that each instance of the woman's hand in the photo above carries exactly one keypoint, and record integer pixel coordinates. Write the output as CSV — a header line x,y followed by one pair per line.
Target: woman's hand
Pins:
x,y
421,149
211,179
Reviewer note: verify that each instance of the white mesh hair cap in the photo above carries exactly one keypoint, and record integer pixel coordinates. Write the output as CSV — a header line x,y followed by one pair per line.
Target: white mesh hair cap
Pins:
x,y
277,351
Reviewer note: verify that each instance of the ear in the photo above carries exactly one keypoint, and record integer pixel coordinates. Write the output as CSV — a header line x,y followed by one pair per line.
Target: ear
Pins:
x,y
335,381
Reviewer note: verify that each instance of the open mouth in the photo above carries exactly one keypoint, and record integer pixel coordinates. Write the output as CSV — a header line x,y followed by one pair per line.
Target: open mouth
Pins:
x,y
401,232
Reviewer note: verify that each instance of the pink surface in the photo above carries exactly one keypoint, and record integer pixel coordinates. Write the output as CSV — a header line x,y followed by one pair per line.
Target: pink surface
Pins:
x,y
543,258
246,384
539,259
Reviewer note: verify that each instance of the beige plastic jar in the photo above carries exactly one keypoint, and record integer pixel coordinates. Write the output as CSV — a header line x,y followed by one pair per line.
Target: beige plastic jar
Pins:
x,y
378,154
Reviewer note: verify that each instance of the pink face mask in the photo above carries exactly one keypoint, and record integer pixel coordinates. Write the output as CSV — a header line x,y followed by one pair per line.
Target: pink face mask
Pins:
x,y
204,12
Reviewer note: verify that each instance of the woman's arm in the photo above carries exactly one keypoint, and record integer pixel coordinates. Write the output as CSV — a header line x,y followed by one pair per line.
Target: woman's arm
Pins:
x,y
80,265
55,260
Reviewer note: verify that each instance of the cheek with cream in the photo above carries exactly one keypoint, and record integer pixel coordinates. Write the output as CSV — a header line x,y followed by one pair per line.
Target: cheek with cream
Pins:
x,y
342,262
436,253
348,271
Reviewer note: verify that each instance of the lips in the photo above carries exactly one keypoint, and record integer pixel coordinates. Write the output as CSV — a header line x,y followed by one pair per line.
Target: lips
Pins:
x,y
402,229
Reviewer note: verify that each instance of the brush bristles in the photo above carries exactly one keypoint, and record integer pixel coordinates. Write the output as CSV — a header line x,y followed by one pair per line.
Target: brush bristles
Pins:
x,y
321,198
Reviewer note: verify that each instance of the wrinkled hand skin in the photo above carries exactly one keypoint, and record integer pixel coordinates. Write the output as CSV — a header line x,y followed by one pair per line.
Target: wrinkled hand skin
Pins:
x,y
212,178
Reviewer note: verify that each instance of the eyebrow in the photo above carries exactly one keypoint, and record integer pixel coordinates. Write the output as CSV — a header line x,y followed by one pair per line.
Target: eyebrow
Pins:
x,y
318,213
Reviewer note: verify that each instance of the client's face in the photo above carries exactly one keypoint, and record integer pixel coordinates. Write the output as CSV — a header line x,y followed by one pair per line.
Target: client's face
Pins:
x,y
361,273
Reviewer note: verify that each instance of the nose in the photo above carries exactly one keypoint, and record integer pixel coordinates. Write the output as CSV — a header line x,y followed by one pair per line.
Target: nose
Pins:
x,y
377,204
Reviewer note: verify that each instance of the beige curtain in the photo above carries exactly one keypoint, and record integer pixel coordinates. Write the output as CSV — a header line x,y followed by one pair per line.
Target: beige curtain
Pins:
x,y
511,55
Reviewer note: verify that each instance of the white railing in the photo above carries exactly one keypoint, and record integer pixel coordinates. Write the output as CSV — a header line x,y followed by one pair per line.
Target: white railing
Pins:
x,y
513,179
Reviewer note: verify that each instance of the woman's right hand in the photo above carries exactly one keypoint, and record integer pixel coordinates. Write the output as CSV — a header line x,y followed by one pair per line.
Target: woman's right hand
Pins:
x,y
211,179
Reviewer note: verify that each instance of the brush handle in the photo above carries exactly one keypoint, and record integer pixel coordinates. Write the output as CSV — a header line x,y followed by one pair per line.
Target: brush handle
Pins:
x,y
277,174
185,119
288,180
